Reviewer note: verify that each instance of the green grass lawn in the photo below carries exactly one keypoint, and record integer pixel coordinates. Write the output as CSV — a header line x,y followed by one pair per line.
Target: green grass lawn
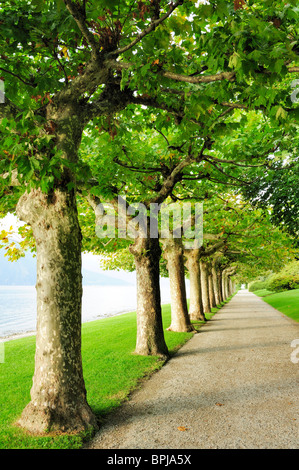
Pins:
x,y
286,302
263,292
111,372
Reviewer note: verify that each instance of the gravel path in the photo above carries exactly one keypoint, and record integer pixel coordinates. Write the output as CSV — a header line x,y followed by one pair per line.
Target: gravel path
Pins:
x,y
232,386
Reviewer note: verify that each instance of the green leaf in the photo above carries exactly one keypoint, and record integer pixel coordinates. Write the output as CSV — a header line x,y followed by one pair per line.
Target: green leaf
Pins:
x,y
235,61
281,113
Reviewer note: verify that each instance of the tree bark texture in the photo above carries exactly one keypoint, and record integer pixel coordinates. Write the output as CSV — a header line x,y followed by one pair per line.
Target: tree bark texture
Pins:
x,y
205,286
224,285
173,254
215,280
150,335
221,294
58,395
211,288
196,311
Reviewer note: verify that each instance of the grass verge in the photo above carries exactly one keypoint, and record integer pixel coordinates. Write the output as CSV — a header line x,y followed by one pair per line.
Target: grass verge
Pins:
x,y
286,302
263,292
111,373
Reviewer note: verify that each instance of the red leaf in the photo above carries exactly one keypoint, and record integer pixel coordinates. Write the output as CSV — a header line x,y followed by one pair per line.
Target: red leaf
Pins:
x,y
238,4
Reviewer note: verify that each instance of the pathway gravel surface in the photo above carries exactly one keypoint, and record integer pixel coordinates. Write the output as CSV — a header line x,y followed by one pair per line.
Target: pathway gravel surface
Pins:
x,y
234,385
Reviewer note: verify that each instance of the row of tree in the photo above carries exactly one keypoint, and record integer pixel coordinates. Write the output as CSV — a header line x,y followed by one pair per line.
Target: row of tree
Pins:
x,y
244,238
151,100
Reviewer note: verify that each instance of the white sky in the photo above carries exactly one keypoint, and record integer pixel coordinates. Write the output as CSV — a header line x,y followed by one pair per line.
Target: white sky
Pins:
x,y
9,220
90,262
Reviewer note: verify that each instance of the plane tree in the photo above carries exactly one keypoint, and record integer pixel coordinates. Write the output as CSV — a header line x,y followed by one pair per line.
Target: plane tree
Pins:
x,y
156,165
68,63
253,244
57,63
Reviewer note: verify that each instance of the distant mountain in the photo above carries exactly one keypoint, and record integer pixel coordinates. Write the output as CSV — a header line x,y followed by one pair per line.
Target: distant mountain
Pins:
x,y
17,273
91,278
23,273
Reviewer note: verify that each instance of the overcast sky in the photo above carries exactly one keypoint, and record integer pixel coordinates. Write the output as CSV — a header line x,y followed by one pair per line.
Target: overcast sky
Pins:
x,y
90,262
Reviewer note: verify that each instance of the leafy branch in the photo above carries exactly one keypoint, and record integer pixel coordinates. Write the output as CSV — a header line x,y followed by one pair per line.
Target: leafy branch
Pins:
x,y
152,26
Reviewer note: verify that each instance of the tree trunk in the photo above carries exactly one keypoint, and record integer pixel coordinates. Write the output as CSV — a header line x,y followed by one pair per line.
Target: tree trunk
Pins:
x,y
205,287
231,286
211,288
150,335
215,281
58,395
224,285
221,295
196,312
173,254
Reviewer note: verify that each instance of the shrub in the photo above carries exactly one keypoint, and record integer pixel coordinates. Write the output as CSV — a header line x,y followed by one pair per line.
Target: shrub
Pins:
x,y
280,282
291,268
258,285
286,279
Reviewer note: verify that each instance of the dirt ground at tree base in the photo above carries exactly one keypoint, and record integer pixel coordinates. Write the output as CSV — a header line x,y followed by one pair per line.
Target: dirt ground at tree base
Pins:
x,y
234,385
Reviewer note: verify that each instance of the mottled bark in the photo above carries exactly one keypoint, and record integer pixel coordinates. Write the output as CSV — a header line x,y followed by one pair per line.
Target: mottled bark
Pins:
x,y
196,311
58,395
150,335
224,285
227,285
215,280
173,254
205,287
231,289
219,275
211,288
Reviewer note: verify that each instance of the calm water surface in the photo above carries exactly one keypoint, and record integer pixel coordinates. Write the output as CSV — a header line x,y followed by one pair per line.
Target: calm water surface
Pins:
x,y
18,305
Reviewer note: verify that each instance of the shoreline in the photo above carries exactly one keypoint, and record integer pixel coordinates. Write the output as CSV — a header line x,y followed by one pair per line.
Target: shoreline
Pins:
x,y
13,336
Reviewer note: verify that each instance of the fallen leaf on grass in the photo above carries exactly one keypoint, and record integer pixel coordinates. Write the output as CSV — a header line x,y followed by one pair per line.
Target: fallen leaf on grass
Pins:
x,y
182,428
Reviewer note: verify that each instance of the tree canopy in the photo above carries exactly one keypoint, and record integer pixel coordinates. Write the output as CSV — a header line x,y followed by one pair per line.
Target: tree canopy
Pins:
x,y
155,100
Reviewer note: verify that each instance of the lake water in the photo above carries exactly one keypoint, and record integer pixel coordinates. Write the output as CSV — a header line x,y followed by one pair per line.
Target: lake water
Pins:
x,y
18,305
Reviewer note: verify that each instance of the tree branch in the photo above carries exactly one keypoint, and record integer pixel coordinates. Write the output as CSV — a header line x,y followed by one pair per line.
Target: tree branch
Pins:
x,y
230,176
32,84
202,79
179,77
220,160
147,30
79,17
155,104
171,180
164,136
111,100
137,168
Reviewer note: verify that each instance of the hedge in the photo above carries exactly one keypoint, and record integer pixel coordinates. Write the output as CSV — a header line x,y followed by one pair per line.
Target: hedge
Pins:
x,y
280,282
